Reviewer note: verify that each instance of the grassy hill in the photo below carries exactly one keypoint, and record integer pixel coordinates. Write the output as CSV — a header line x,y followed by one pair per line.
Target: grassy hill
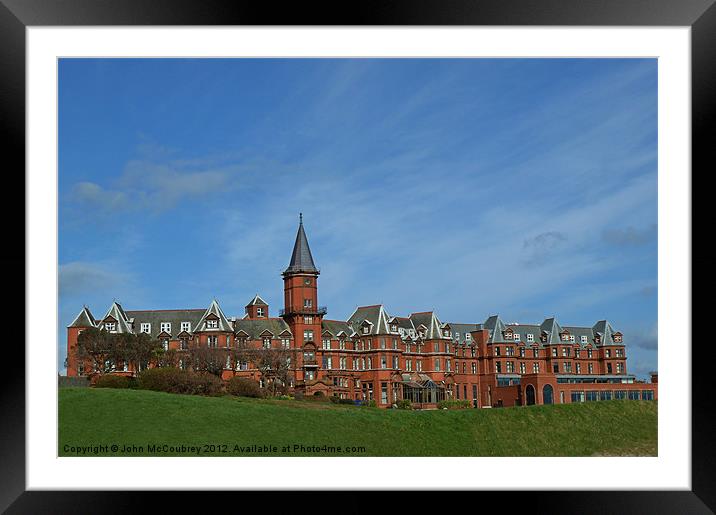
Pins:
x,y
139,418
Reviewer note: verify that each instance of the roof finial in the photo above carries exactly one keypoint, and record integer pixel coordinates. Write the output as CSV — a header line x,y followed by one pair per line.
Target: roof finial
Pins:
x,y
300,218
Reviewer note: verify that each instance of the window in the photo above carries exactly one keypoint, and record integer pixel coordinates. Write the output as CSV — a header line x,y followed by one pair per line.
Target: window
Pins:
x,y
510,351
447,347
522,352
259,312
267,342
327,362
577,396
571,337
382,343
447,365
368,362
618,338
394,328
647,395
395,343
419,365
555,368
497,350
554,352
409,365
110,326
307,319
212,341
437,365
510,367
384,393
620,395
579,368
228,341
577,353
523,368
383,362
583,339
369,343
446,333
568,367
186,326
517,337
498,367
620,368
619,353
145,327
535,368
307,303
165,344
342,344
365,329
212,324
564,352
407,347
326,343
590,368
474,368
467,337
607,353
633,395
530,337
310,375
395,362
589,353
565,337
307,335
285,343
609,368
592,396
535,353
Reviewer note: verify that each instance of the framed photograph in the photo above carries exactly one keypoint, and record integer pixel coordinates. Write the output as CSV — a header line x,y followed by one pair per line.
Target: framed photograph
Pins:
x,y
437,239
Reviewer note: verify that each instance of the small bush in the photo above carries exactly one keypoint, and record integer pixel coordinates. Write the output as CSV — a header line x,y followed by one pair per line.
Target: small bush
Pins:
x,y
404,404
334,399
112,381
284,398
176,380
244,387
370,404
454,404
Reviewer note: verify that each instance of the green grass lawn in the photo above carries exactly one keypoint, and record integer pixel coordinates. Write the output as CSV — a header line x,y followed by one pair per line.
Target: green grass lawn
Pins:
x,y
89,416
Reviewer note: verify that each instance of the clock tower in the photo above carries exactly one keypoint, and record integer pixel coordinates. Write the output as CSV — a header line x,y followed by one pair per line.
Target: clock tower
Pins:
x,y
301,311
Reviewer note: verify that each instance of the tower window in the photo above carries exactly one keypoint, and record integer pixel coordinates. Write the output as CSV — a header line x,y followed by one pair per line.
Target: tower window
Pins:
x,y
307,303
260,312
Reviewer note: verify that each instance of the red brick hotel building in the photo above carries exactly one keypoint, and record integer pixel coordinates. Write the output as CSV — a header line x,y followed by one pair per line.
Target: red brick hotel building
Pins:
x,y
376,356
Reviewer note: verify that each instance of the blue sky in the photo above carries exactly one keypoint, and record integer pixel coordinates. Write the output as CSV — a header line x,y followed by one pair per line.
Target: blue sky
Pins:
x,y
520,187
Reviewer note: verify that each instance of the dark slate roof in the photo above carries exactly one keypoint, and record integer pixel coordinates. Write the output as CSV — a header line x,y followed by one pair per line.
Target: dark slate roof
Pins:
x,y
301,259
174,316
83,319
115,311
496,327
254,328
524,329
376,315
257,301
430,321
213,309
458,331
336,326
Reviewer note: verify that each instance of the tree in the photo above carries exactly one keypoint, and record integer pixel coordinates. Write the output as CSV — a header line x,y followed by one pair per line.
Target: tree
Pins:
x,y
274,365
103,349
207,359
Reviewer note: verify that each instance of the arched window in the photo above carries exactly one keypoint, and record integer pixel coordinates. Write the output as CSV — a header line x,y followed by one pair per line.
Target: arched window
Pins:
x,y
547,394
530,394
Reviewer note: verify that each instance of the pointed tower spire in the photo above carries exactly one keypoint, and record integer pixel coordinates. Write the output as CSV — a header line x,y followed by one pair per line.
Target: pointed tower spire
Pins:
x,y
301,259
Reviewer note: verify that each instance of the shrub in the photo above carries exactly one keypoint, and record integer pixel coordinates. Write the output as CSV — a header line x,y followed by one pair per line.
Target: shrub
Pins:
x,y
346,401
112,381
370,404
404,404
454,404
244,387
175,380
206,384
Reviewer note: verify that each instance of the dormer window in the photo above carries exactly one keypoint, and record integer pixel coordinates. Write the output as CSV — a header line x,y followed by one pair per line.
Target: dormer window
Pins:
x,y
516,337
617,338
212,324
145,327
583,339
571,337
393,328
267,342
446,333
166,327
565,337
259,312
467,336
365,329
186,326
530,337
111,327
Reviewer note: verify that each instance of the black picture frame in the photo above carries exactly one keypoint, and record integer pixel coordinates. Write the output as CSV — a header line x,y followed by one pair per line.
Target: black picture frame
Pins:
x,y
16,15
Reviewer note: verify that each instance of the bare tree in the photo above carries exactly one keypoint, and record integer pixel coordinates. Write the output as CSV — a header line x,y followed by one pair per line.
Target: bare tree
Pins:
x,y
207,359
275,366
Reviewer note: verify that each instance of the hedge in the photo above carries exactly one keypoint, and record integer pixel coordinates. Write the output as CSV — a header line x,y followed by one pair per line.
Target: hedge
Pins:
x,y
454,404
175,380
114,381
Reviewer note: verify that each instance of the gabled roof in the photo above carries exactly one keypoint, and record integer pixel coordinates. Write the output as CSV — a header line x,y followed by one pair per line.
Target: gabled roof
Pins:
x,y
84,319
431,323
254,328
374,315
604,329
214,309
496,327
552,329
257,301
301,258
117,313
